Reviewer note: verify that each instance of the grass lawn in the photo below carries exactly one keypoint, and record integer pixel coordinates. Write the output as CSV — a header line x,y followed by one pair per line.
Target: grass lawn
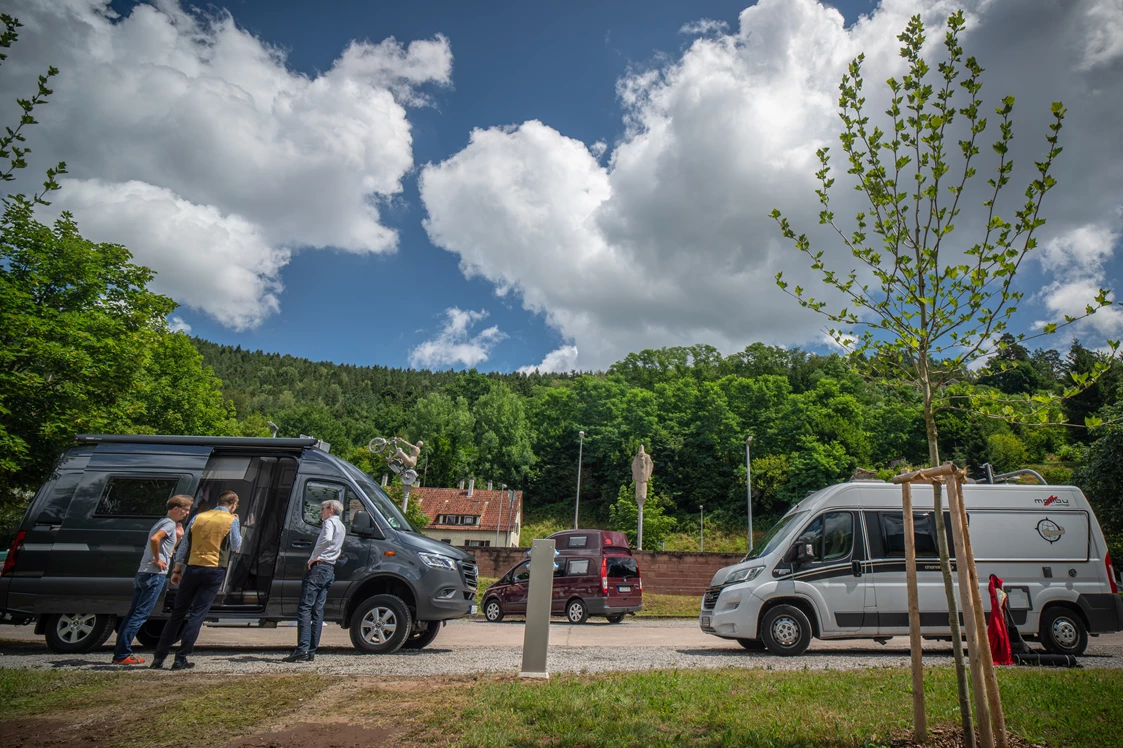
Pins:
x,y
730,707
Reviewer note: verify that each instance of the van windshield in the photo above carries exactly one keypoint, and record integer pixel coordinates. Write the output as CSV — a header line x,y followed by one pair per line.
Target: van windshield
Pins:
x,y
774,537
381,501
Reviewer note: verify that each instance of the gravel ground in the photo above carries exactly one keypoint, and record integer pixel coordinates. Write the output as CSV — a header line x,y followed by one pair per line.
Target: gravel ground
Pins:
x,y
668,644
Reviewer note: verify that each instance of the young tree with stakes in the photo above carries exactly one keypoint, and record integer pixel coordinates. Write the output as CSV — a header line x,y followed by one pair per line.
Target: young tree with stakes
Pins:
x,y
925,307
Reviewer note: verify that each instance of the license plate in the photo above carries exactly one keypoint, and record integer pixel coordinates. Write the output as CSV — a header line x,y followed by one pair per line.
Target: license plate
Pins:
x,y
625,588
474,610
705,621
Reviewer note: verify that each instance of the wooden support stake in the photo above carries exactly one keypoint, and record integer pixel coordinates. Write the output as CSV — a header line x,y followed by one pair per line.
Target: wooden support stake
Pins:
x,y
919,719
998,719
967,604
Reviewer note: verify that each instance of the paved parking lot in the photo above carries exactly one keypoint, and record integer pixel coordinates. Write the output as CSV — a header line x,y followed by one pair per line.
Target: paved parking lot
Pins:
x,y
468,647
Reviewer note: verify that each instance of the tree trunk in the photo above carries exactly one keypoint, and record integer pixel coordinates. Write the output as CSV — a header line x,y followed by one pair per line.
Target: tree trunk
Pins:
x,y
945,566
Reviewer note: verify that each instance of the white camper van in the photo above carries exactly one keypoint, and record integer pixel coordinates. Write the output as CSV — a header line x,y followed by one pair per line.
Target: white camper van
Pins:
x,y
834,568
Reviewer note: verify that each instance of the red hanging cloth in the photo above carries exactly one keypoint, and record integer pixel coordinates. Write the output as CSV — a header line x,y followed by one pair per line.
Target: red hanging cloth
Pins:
x,y
996,626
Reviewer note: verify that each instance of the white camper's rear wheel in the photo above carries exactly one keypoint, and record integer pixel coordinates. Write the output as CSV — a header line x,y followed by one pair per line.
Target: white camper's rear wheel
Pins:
x,y
1063,632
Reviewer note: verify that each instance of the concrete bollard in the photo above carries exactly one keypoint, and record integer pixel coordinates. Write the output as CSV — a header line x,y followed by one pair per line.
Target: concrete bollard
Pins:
x,y
536,633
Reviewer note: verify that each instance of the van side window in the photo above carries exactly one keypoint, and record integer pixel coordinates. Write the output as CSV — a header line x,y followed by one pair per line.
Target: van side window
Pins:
x,y
924,534
578,567
830,535
316,493
578,541
61,492
136,497
521,574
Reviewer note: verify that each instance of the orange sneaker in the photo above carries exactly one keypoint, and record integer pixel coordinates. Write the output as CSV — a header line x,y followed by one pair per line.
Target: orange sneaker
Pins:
x,y
130,660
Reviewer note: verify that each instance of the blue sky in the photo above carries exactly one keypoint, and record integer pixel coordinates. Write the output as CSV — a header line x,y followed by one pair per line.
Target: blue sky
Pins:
x,y
516,184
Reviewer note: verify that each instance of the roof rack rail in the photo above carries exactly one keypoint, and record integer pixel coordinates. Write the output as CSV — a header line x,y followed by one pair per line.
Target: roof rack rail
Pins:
x,y
988,471
217,441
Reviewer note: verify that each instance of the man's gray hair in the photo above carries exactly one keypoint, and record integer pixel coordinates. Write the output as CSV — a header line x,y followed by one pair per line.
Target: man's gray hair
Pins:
x,y
335,506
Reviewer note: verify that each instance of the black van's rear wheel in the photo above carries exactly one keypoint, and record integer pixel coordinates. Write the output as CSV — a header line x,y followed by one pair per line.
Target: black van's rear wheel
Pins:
x,y
786,631
422,639
75,633
576,611
149,634
381,625
493,611
1062,632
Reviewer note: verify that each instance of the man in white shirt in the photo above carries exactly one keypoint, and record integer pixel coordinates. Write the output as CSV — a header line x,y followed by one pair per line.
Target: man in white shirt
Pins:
x,y
317,581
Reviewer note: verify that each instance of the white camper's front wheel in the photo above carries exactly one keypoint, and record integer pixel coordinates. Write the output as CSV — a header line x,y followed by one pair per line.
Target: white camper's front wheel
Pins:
x,y
785,631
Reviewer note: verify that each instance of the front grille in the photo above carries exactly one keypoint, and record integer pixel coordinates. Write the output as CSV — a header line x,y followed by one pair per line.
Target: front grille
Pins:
x,y
471,573
710,600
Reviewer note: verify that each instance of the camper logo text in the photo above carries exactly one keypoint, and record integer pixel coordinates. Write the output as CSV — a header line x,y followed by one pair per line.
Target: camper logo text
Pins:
x,y
1052,501
1050,530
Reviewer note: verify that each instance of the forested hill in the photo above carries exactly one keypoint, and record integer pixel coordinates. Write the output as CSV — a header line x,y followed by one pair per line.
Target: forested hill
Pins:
x,y
813,419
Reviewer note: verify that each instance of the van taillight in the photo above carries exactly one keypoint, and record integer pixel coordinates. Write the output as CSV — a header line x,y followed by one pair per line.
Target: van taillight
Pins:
x,y
1110,575
10,561
604,575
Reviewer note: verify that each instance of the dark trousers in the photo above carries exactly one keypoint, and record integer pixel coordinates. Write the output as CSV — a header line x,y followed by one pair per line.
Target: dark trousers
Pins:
x,y
310,611
196,593
146,591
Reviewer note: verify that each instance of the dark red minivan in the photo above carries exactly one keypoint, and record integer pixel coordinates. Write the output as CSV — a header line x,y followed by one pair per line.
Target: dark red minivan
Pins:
x,y
596,576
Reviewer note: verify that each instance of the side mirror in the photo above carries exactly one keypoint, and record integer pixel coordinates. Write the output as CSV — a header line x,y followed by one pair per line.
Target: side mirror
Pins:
x,y
792,555
362,524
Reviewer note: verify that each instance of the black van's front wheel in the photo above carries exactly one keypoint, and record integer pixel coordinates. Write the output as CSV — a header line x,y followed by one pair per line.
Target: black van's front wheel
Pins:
x,y
786,631
381,625
75,633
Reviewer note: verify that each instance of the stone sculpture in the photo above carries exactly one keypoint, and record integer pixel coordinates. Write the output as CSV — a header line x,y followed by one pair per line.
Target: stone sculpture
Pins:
x,y
641,474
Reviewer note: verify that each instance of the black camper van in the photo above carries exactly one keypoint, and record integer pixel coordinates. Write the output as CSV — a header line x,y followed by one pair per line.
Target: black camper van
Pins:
x,y
70,569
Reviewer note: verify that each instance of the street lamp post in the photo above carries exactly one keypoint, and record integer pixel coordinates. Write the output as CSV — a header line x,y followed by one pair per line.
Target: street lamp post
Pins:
x,y
580,452
701,530
749,483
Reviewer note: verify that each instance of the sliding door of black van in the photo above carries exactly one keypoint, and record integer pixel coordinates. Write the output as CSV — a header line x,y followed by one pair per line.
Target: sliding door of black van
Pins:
x,y
120,496
301,533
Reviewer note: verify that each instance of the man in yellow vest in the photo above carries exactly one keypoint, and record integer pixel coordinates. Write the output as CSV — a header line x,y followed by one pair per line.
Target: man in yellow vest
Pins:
x,y
210,538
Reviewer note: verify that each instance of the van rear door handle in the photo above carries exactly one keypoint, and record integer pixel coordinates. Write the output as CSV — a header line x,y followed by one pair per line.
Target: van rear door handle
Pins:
x,y
302,544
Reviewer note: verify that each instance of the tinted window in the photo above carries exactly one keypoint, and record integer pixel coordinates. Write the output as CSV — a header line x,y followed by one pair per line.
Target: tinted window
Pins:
x,y
521,574
838,535
61,492
924,534
136,497
578,541
578,567
622,566
830,536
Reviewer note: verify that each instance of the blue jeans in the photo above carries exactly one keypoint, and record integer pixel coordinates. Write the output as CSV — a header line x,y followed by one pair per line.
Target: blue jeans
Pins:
x,y
193,600
146,591
310,611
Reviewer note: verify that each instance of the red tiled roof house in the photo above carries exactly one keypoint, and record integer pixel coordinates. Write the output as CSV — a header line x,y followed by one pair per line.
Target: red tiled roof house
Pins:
x,y
471,516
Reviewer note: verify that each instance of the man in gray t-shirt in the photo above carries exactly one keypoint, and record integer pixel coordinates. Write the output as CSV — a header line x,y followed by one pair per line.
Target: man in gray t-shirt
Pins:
x,y
151,576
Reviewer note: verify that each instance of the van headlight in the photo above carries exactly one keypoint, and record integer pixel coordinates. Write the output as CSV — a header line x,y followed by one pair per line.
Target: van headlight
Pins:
x,y
744,575
437,561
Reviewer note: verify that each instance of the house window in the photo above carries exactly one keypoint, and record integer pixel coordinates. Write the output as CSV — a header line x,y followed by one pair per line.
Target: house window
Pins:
x,y
477,543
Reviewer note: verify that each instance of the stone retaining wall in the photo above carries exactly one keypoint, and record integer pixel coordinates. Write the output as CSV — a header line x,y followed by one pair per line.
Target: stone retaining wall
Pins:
x,y
663,572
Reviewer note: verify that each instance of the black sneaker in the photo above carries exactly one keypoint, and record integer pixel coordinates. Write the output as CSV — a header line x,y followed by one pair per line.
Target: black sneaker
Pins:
x,y
299,657
182,665
157,663
310,658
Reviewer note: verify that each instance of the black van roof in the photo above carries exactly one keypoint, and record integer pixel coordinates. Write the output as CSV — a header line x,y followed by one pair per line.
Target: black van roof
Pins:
x,y
202,441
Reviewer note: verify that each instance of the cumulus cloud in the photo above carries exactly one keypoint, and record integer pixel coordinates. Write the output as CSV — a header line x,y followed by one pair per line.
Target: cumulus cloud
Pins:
x,y
176,324
563,359
669,241
191,141
455,343
1077,259
704,26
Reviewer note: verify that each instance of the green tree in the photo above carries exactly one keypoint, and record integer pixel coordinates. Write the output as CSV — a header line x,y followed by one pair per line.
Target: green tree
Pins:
x,y
77,327
447,427
924,311
502,436
1005,452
